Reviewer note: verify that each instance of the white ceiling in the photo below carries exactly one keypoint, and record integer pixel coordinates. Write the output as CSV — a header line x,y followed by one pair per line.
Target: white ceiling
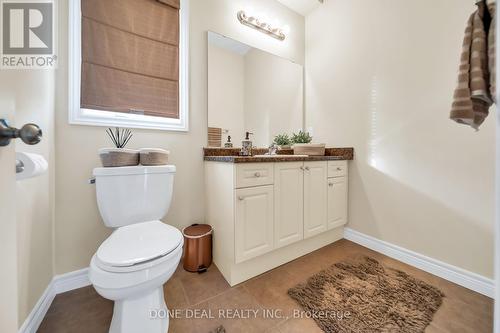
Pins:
x,y
302,7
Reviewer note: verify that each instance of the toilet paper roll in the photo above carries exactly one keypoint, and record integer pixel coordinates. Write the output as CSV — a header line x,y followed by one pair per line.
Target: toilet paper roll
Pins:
x,y
31,165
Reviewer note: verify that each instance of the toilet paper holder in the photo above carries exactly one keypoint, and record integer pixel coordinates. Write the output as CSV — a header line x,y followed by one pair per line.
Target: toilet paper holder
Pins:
x,y
29,165
31,134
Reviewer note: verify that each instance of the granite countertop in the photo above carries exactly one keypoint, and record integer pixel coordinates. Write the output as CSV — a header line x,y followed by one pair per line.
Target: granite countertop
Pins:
x,y
230,155
276,158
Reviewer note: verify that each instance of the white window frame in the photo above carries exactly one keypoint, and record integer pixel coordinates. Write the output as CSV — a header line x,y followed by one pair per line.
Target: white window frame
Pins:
x,y
82,116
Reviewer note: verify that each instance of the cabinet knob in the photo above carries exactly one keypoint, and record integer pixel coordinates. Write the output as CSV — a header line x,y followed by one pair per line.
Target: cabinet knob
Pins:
x,y
257,174
330,184
339,168
241,198
307,168
301,168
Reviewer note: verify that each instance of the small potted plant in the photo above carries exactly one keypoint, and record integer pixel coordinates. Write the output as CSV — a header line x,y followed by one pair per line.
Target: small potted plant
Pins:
x,y
283,141
119,155
302,145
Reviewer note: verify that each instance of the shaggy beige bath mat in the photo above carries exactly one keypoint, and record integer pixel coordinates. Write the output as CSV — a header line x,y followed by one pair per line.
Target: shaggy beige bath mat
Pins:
x,y
364,296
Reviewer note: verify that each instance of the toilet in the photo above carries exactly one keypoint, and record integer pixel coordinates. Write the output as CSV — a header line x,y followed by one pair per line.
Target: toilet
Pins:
x,y
132,264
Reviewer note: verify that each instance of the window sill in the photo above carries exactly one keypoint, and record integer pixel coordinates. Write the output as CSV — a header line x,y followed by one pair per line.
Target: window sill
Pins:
x,y
115,119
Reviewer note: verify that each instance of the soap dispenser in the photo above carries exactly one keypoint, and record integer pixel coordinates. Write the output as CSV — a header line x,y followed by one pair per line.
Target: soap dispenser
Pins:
x,y
246,145
228,144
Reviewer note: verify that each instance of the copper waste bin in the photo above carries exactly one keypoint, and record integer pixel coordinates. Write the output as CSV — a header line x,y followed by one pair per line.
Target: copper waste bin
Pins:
x,y
197,247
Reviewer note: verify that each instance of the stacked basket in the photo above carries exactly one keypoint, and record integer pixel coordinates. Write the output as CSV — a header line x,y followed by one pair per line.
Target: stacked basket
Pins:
x,y
121,156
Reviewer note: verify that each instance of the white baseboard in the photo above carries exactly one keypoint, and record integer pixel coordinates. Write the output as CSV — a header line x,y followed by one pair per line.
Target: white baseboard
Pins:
x,y
72,280
59,284
34,319
460,276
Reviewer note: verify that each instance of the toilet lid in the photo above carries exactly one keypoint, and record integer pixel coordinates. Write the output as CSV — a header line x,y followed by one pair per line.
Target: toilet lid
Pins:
x,y
137,243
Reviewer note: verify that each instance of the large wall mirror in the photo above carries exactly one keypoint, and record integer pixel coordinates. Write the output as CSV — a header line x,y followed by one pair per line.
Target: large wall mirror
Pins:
x,y
250,90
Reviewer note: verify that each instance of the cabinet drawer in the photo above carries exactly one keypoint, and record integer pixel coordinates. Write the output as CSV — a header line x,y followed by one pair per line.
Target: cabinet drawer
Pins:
x,y
337,168
254,174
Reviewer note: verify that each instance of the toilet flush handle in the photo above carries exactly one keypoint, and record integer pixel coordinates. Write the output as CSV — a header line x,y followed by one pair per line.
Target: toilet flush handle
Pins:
x,y
91,181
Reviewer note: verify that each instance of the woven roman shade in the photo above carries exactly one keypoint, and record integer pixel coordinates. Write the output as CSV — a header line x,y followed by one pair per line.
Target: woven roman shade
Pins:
x,y
130,56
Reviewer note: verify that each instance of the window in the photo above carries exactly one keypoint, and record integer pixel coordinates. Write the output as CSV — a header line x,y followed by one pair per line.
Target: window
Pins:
x,y
128,63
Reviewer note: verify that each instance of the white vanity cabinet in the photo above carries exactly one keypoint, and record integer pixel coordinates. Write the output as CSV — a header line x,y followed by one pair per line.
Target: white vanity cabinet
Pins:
x,y
266,214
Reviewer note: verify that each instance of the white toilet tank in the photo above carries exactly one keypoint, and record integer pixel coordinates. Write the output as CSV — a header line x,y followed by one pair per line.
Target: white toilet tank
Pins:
x,y
128,195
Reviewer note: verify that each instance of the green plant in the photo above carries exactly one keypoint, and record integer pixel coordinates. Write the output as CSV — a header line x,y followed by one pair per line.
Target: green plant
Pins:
x,y
301,137
120,136
282,140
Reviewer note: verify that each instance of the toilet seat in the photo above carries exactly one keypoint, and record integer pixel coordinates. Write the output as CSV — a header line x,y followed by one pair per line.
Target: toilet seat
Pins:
x,y
120,278
138,246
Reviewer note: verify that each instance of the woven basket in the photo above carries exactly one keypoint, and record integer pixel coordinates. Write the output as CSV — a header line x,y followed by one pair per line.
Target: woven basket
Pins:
x,y
154,156
118,157
312,149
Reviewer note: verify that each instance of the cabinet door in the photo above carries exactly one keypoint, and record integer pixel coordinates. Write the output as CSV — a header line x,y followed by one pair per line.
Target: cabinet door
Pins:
x,y
337,202
253,222
315,198
288,203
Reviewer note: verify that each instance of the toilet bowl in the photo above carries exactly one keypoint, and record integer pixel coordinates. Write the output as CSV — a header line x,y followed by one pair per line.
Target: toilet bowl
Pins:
x,y
132,264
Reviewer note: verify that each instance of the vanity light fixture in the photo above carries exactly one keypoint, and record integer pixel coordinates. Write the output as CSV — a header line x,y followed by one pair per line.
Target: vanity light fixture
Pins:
x,y
264,27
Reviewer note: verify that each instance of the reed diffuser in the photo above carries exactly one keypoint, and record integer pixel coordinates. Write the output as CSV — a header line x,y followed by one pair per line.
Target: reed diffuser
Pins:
x,y
120,137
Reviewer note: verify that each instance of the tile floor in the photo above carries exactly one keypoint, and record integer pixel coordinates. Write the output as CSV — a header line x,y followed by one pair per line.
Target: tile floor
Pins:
x,y
83,310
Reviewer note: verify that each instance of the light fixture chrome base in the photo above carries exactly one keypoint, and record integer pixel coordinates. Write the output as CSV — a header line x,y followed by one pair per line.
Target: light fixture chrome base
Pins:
x,y
254,23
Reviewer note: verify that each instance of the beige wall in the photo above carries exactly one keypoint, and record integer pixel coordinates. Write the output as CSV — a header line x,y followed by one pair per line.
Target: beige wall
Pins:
x,y
78,229
34,196
380,76
9,311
